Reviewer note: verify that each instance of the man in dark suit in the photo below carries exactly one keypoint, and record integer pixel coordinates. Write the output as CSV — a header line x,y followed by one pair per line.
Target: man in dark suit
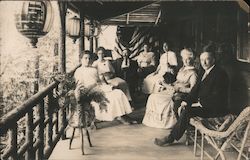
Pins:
x,y
127,70
210,93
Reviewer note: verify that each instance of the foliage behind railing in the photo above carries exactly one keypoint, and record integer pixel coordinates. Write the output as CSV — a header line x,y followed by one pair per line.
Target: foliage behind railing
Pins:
x,y
45,122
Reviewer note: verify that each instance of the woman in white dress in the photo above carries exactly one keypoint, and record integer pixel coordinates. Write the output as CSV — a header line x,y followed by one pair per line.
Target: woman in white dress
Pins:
x,y
146,64
106,71
118,104
167,63
159,109
162,106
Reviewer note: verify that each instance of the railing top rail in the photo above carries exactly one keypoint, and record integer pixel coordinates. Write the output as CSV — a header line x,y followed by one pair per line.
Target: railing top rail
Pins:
x,y
17,113
14,115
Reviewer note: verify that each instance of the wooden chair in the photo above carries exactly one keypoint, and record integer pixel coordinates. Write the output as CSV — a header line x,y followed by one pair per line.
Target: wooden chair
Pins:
x,y
240,124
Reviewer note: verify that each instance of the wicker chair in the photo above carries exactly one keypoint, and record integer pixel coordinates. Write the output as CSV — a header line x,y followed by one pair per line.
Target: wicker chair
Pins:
x,y
215,124
240,124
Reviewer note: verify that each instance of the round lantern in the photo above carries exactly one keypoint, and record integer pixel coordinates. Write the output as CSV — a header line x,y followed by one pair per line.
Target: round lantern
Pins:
x,y
91,30
34,19
73,28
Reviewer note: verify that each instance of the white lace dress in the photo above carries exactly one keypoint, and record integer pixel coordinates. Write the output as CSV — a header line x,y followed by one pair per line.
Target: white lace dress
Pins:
x,y
118,104
159,109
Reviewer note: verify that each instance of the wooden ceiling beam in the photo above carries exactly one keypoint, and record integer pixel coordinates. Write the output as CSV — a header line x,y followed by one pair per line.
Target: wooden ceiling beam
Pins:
x,y
127,21
73,8
130,24
158,17
131,12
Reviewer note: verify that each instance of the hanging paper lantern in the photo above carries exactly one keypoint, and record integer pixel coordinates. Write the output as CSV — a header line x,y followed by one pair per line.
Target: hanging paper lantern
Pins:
x,y
34,19
90,30
73,28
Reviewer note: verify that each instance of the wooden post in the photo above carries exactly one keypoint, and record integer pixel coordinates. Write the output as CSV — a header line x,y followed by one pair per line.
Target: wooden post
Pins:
x,y
91,36
55,65
36,64
1,85
62,49
96,43
81,39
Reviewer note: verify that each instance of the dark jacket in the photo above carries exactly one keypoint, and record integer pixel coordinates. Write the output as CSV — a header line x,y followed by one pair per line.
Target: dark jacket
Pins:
x,y
212,92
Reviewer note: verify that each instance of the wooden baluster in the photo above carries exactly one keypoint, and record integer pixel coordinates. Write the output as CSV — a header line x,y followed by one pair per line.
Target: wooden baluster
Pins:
x,y
13,141
57,112
40,153
64,121
63,116
29,135
50,117
56,125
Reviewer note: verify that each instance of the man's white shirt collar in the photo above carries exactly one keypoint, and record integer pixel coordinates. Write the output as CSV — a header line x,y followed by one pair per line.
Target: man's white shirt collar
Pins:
x,y
209,70
206,73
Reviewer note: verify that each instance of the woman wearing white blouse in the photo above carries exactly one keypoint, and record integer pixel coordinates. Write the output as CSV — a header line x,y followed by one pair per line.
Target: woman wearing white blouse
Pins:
x,y
106,71
118,104
146,64
167,63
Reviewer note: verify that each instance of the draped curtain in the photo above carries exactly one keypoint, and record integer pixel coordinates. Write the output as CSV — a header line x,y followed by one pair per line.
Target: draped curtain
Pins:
x,y
135,40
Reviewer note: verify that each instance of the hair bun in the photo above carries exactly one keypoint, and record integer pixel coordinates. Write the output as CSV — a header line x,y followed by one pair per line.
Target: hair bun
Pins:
x,y
169,78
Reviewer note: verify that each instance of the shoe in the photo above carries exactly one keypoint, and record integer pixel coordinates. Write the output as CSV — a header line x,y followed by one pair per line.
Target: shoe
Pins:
x,y
129,119
122,120
133,122
164,141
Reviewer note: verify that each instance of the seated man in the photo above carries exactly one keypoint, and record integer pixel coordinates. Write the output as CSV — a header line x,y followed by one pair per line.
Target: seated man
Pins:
x,y
211,93
129,70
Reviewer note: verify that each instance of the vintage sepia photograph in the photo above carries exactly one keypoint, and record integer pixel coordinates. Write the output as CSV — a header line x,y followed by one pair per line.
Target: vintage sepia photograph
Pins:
x,y
124,80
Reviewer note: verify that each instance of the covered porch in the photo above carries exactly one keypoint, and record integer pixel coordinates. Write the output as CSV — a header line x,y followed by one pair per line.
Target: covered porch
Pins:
x,y
115,141
44,115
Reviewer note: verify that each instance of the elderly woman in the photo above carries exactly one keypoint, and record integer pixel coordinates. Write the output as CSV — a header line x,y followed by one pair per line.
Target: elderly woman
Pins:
x,y
160,109
186,78
168,62
118,105
106,71
146,63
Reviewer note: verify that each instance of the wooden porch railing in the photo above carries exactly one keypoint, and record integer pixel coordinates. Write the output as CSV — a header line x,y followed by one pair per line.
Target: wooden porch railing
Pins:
x,y
45,124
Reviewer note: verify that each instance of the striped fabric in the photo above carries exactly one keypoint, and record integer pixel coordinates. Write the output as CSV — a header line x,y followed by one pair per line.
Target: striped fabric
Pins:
x,y
140,36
